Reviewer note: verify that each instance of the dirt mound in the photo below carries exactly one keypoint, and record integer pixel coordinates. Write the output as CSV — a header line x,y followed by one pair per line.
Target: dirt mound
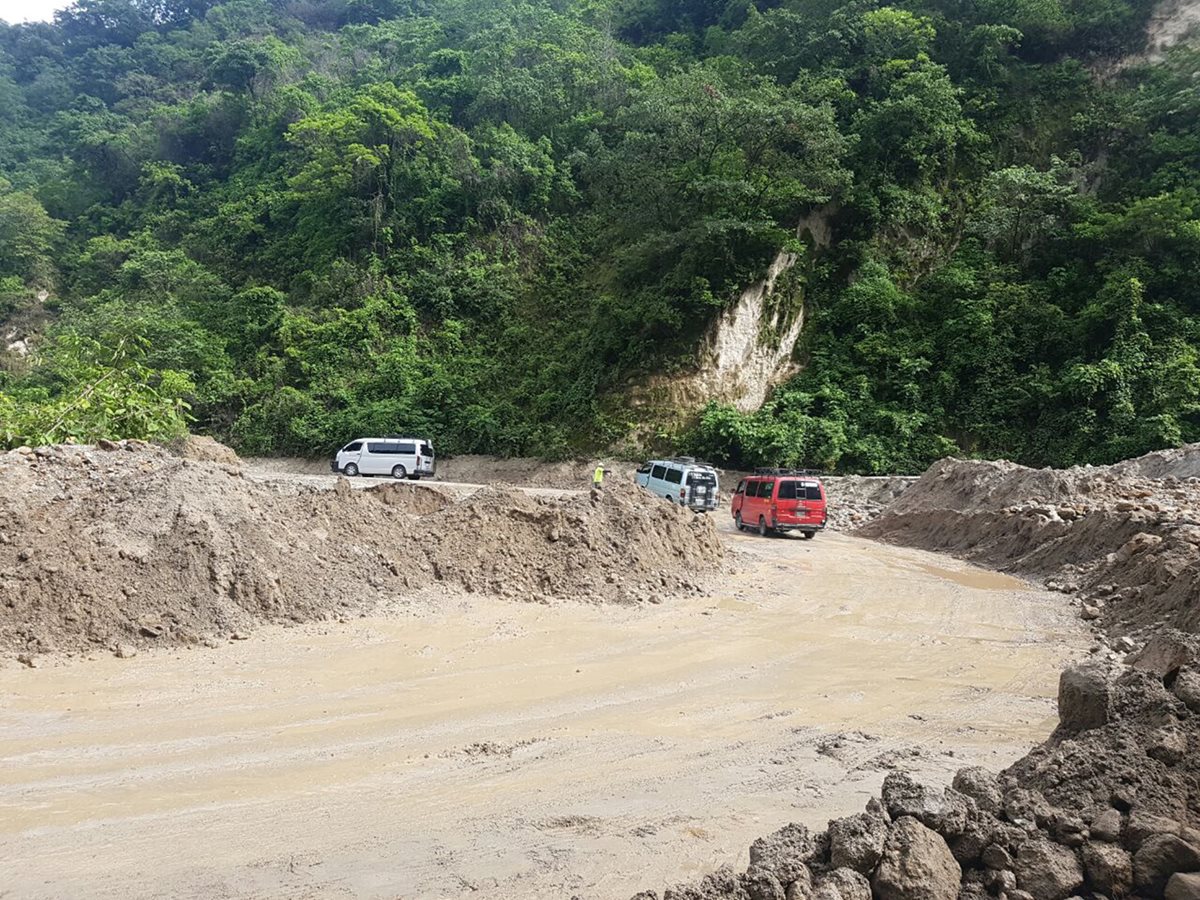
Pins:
x,y
1108,807
135,544
1125,539
855,500
204,449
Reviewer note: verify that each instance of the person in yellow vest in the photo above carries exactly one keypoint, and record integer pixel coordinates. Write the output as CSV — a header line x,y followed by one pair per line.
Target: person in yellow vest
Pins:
x,y
598,478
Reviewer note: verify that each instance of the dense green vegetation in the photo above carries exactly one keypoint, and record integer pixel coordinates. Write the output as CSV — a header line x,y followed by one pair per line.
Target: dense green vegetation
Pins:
x,y
289,222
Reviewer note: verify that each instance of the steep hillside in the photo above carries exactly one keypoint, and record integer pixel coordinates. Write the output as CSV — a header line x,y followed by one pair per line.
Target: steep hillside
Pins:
x,y
849,235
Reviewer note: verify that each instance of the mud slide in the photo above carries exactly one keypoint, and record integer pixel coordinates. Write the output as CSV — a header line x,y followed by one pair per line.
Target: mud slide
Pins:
x,y
522,750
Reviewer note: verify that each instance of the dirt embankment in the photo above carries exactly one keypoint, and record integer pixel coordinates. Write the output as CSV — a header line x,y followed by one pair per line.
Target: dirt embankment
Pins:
x,y
854,500
1124,539
131,544
1109,805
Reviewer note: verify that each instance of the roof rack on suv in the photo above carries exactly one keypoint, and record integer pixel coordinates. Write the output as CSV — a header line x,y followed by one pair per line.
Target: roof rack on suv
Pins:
x,y
770,471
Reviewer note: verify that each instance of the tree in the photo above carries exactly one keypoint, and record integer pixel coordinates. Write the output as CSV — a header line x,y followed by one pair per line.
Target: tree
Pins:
x,y
28,238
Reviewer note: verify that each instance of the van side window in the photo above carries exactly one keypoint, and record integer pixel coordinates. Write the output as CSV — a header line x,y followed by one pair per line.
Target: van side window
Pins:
x,y
353,448
674,476
787,490
409,449
766,489
659,472
377,448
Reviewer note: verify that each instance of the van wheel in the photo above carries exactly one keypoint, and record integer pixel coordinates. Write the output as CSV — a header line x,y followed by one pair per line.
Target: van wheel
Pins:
x,y
763,530
350,471
737,520
809,535
399,472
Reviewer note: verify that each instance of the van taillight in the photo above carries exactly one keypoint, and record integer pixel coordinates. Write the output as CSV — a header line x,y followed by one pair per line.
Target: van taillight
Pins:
x,y
683,492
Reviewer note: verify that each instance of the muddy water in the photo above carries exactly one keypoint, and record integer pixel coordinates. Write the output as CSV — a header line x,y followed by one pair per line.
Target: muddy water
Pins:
x,y
524,750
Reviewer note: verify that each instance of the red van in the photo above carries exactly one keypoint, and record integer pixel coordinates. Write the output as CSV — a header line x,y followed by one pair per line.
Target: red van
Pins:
x,y
778,500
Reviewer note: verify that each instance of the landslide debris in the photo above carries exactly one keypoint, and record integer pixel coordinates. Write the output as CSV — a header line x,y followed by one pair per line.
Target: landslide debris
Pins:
x,y
1108,807
1124,538
128,544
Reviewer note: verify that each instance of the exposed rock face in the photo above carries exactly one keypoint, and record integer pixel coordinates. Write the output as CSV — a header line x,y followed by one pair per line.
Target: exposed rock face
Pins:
x,y
749,348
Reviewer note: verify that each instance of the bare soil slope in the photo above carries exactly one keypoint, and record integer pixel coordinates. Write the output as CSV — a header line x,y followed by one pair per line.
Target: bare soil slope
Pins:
x,y
1125,538
134,544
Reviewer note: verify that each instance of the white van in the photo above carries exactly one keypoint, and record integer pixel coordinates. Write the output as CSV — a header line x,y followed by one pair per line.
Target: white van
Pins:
x,y
681,480
400,457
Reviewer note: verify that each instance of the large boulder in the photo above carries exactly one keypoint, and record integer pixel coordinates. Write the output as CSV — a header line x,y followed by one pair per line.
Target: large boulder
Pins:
x,y
1047,871
1106,826
1084,698
1187,688
916,865
1184,886
945,811
1142,826
1109,868
785,853
1165,653
762,885
981,786
1027,808
856,842
724,883
841,884
1160,857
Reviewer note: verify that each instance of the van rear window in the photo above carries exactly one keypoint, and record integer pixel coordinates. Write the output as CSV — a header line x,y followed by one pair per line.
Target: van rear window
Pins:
x,y
701,478
799,490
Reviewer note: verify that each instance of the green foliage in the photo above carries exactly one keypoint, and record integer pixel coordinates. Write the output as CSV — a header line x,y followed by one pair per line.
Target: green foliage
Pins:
x,y
92,390
290,223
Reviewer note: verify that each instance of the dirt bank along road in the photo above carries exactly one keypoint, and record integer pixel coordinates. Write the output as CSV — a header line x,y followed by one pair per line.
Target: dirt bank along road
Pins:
x,y
517,749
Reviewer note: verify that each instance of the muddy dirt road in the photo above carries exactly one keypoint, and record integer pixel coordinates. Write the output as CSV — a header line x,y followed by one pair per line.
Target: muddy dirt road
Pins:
x,y
522,750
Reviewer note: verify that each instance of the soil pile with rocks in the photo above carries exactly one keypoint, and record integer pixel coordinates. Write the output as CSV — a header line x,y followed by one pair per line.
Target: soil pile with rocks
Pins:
x,y
1125,538
131,544
855,500
1109,807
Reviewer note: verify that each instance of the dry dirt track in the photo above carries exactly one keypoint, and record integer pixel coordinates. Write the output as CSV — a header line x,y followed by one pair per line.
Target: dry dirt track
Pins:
x,y
521,750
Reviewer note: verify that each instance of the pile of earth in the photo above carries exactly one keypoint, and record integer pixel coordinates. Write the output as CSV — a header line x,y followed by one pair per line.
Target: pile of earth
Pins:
x,y
855,500
1109,807
1125,539
128,543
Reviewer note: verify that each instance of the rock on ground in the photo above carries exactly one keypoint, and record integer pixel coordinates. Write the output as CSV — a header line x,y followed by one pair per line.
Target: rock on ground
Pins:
x,y
916,865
